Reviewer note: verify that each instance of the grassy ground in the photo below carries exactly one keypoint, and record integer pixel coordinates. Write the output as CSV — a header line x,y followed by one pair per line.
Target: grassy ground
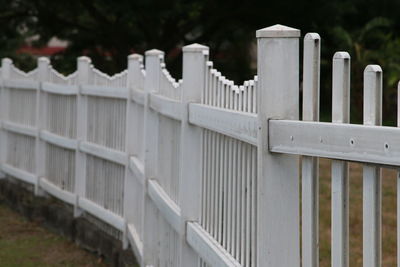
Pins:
x,y
388,215
25,244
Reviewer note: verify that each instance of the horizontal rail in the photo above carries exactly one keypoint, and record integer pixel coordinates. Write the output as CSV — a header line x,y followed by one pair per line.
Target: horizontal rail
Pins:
x,y
236,124
20,174
105,91
137,168
57,192
138,96
351,142
171,212
58,140
103,152
19,128
166,106
103,214
60,89
21,84
207,247
136,243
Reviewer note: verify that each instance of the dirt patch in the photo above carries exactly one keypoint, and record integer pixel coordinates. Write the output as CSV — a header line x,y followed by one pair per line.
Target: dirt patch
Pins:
x,y
25,243
42,231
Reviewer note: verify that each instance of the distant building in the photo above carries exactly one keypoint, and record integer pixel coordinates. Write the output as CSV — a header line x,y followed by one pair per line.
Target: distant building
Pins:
x,y
54,46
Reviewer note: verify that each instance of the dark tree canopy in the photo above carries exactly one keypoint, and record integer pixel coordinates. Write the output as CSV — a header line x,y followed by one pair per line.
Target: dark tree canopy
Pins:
x,y
108,31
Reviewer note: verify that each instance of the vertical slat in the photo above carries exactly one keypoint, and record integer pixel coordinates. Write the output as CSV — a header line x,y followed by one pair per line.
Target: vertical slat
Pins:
x,y
340,183
278,233
309,183
372,174
194,67
81,106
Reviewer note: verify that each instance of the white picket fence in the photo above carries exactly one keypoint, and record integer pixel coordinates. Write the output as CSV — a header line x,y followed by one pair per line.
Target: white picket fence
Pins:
x,y
200,171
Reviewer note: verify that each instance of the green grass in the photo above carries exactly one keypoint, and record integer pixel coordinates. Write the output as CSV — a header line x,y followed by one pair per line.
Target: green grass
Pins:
x,y
388,215
26,244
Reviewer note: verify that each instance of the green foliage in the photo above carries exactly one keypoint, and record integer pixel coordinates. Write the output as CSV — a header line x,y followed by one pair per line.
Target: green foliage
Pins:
x,y
374,43
107,31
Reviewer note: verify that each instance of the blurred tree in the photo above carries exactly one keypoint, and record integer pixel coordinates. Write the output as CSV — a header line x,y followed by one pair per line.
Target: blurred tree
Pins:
x,y
107,31
374,43
15,21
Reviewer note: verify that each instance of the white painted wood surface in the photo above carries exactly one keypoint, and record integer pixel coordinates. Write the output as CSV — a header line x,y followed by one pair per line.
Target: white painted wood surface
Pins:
x,y
83,65
41,120
194,58
201,171
340,169
59,140
19,129
236,124
398,182
170,210
210,250
4,102
166,106
105,91
309,168
60,88
351,142
19,173
21,84
103,152
372,195
55,191
130,182
102,213
278,235
153,69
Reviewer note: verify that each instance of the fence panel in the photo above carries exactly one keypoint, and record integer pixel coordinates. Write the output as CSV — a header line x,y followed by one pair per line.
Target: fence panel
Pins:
x,y
229,172
163,181
19,94
103,99
58,95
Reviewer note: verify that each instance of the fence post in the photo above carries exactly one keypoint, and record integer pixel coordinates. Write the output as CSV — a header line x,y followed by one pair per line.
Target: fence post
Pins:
x,y
151,84
5,74
134,62
80,157
194,66
278,235
41,121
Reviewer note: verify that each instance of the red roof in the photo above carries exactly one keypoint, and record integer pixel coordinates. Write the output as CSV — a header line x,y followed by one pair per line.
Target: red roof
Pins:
x,y
41,51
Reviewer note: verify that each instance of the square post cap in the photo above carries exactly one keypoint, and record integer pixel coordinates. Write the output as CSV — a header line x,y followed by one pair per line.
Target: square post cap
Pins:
x,y
154,52
195,48
278,31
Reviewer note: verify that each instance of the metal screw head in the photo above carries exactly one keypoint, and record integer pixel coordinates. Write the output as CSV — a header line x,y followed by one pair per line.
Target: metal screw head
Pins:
x,y
352,142
386,146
